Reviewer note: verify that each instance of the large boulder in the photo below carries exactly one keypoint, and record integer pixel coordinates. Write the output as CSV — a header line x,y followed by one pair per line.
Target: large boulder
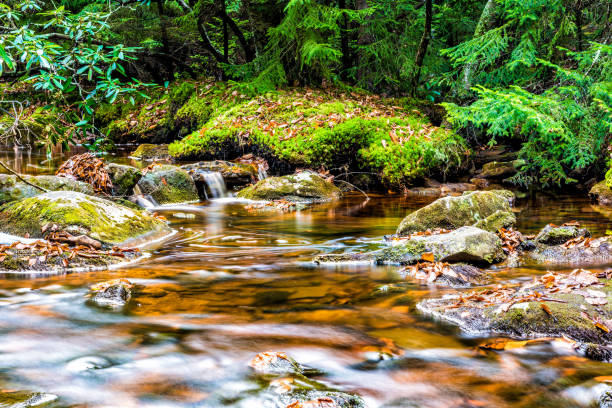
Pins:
x,y
123,177
466,244
305,186
78,214
151,152
13,189
168,184
233,174
489,210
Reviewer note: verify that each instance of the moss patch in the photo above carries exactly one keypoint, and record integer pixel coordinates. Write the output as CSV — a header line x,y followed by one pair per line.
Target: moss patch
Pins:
x,y
168,184
330,128
77,213
304,186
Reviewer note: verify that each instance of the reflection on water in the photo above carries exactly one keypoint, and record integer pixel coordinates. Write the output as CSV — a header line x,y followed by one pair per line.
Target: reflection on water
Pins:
x,y
232,283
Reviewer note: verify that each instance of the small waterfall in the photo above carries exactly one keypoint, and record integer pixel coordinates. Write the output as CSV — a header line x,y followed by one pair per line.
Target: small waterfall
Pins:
x,y
214,183
145,201
261,171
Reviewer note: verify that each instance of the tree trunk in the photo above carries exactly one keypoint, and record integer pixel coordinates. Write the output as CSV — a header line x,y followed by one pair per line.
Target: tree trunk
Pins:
x,y
578,17
424,44
487,18
164,34
362,39
344,41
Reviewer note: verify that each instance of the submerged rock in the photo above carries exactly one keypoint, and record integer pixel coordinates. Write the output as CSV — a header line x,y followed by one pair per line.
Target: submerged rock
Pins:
x,y
602,193
123,177
13,189
234,174
290,387
576,306
305,186
79,214
453,275
168,185
113,293
151,152
466,244
489,210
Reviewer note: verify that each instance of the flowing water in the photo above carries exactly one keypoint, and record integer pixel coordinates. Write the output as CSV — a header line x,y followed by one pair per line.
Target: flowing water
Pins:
x,y
232,283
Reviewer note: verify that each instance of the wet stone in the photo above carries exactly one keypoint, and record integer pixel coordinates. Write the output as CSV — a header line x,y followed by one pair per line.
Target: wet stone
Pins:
x,y
114,293
305,186
21,399
553,235
272,362
489,210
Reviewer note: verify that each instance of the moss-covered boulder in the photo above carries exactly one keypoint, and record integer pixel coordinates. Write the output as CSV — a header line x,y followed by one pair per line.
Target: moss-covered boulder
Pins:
x,y
168,184
305,186
123,177
488,210
78,214
602,193
12,188
233,174
151,152
466,244
576,306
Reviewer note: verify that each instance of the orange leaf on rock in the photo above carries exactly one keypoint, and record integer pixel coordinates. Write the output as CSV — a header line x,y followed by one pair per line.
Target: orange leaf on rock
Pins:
x,y
428,256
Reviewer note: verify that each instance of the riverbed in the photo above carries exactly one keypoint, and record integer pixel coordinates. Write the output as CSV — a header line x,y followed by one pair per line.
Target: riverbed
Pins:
x,y
234,282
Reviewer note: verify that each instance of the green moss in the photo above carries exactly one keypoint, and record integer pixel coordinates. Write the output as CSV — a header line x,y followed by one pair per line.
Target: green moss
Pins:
x,y
408,252
78,214
148,151
330,130
169,184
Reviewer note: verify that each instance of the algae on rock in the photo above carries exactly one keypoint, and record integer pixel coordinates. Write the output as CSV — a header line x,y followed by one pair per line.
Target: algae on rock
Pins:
x,y
168,184
79,214
488,210
12,188
305,186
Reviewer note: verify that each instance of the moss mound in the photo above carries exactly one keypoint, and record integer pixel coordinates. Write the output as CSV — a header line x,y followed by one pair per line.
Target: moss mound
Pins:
x,y
78,214
488,210
330,128
303,186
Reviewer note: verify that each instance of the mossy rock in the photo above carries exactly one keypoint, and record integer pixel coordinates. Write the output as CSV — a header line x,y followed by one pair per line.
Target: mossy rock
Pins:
x,y
500,169
151,152
78,214
574,256
12,189
565,314
550,235
123,177
24,399
489,210
20,261
305,186
168,184
467,244
602,193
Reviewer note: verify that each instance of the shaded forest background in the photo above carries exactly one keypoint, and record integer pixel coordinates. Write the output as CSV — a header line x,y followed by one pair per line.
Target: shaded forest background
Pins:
x,y
532,74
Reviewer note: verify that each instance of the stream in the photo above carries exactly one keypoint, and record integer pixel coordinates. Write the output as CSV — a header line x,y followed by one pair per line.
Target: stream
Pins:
x,y
233,282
